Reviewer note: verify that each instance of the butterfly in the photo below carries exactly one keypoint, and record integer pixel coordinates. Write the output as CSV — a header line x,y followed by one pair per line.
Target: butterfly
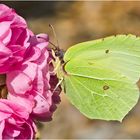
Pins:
x,y
100,76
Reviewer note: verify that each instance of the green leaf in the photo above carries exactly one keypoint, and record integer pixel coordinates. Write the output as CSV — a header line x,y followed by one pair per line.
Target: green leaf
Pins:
x,y
101,76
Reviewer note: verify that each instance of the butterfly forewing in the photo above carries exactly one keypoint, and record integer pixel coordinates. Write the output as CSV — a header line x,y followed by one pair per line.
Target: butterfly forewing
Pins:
x,y
102,74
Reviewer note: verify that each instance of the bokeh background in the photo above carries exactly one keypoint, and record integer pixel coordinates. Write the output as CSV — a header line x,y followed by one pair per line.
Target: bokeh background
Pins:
x,y
76,22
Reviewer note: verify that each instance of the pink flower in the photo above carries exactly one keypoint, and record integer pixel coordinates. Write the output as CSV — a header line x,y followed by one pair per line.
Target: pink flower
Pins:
x,y
32,82
14,36
15,122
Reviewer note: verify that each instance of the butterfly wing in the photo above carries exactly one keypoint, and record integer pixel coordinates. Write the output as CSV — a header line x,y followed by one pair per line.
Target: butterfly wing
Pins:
x,y
101,76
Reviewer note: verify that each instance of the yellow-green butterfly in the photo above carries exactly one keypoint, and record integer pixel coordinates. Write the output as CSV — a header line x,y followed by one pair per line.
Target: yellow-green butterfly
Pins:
x,y
100,76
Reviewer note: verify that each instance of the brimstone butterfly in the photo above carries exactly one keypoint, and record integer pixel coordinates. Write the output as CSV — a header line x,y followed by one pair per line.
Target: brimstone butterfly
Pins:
x,y
100,76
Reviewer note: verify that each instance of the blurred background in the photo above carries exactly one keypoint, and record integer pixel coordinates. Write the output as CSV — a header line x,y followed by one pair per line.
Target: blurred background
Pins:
x,y
76,22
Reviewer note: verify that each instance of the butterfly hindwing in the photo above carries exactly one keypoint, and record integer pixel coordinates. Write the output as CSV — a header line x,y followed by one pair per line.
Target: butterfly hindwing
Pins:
x,y
101,76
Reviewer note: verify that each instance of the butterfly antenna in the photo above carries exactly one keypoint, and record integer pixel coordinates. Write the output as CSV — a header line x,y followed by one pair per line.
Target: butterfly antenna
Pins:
x,y
54,33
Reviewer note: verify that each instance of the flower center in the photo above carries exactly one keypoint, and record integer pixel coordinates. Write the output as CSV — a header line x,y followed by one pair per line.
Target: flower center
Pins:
x,y
3,88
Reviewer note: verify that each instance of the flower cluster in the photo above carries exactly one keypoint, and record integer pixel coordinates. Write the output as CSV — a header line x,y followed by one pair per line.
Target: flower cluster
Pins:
x,y
26,74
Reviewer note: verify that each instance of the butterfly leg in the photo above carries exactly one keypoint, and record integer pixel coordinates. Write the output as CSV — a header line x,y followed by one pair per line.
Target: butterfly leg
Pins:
x,y
58,84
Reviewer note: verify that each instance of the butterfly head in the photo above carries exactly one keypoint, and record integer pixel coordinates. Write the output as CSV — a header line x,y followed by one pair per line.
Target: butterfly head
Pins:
x,y
60,54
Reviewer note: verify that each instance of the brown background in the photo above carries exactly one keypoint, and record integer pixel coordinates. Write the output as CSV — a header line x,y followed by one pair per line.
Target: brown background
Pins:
x,y
76,22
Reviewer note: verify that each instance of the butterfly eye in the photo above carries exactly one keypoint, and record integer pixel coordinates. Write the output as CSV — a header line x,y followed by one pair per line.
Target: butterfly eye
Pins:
x,y
59,53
